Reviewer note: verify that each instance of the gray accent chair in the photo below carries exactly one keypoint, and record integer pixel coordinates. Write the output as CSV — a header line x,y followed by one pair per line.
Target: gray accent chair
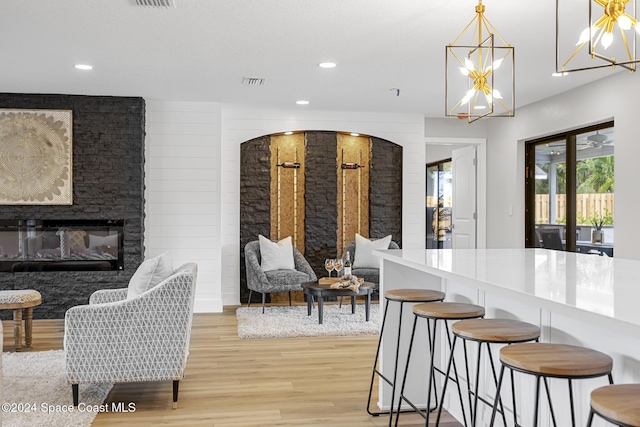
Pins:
x,y
266,282
369,274
550,238
119,340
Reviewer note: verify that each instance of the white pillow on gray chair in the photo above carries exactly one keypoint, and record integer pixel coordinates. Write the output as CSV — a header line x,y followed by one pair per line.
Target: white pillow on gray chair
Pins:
x,y
364,257
276,255
150,273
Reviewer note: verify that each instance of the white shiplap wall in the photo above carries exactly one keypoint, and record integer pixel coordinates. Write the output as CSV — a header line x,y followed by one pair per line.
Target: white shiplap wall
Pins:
x,y
193,181
183,191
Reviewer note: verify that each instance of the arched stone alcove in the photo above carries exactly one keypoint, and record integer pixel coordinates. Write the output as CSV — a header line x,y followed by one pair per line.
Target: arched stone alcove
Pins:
x,y
326,220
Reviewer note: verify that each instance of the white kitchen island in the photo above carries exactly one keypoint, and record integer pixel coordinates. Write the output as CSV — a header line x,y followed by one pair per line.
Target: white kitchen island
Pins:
x,y
576,299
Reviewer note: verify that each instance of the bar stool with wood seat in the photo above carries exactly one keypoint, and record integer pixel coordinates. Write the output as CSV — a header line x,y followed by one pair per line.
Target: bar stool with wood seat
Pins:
x,y
545,360
618,404
401,296
434,311
485,331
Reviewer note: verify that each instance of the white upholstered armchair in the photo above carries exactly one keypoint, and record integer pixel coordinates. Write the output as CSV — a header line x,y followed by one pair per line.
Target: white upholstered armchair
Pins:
x,y
145,338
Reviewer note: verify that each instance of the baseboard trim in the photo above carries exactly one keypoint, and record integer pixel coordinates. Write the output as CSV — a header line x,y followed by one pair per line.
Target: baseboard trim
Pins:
x,y
208,305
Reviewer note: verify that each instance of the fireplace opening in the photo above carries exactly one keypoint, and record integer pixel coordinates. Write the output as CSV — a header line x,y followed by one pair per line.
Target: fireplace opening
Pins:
x,y
61,245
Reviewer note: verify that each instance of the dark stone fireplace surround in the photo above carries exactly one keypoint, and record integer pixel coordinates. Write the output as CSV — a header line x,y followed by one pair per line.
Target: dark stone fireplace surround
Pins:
x,y
108,184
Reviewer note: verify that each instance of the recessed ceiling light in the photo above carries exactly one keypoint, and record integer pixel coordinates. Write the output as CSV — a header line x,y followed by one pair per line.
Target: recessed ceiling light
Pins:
x,y
564,73
288,133
327,65
355,134
479,107
84,67
302,102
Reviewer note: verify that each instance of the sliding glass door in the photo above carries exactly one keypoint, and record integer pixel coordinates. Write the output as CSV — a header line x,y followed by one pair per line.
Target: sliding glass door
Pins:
x,y
595,192
570,191
439,205
550,193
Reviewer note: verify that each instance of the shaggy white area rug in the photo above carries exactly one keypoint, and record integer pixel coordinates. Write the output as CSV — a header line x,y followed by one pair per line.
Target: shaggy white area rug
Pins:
x,y
290,322
38,380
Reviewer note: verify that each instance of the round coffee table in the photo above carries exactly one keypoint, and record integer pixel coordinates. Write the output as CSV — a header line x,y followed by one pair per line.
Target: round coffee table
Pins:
x,y
320,291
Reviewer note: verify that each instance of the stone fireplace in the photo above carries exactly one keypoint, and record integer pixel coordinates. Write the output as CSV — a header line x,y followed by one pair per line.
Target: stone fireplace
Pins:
x,y
108,204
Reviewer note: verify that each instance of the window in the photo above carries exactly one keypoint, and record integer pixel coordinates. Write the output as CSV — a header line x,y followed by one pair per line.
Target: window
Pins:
x,y
570,191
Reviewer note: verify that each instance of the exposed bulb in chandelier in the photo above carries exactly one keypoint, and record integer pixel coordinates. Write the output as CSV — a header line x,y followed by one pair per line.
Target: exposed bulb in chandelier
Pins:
x,y
496,64
495,93
585,35
625,22
469,67
467,97
490,96
469,64
607,39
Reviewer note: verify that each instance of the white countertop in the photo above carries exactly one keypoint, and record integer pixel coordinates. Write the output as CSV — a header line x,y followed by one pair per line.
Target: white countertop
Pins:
x,y
598,287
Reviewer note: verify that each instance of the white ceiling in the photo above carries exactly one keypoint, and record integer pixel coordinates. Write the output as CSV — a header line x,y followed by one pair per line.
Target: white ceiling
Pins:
x,y
202,49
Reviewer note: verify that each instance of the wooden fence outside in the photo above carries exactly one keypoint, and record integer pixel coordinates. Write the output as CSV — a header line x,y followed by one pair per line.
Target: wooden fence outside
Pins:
x,y
587,205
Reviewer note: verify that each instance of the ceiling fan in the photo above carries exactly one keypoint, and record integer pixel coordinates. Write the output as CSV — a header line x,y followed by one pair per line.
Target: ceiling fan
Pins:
x,y
597,140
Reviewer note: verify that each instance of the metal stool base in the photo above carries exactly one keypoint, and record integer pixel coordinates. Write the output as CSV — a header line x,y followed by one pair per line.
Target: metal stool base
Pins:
x,y
537,394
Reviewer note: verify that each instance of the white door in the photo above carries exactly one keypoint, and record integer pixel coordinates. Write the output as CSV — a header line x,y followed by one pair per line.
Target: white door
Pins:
x,y
463,212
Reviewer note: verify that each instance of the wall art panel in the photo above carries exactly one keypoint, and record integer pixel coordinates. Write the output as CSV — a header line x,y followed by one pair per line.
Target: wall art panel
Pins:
x,y
36,157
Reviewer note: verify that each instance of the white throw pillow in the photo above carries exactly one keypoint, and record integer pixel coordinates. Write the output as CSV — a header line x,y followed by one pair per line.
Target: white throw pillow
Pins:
x,y
364,257
150,273
276,256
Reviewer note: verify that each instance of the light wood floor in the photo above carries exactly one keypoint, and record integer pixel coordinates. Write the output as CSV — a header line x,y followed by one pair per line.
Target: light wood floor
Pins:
x,y
234,382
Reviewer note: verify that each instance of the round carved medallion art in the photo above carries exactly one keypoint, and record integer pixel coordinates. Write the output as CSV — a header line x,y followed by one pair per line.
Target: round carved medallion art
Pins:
x,y
35,157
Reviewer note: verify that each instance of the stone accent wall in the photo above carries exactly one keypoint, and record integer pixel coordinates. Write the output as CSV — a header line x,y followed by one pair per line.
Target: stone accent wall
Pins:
x,y
385,197
321,215
255,200
321,211
108,183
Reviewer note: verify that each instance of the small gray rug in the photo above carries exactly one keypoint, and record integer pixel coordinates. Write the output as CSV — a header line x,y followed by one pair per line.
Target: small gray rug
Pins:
x,y
290,322
35,385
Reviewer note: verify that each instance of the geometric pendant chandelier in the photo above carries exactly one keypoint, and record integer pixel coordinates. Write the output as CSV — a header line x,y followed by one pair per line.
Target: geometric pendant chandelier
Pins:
x,y
479,72
602,35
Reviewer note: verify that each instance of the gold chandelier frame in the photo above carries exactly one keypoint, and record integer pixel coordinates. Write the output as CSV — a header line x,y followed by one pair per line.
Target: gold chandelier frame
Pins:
x,y
601,33
478,64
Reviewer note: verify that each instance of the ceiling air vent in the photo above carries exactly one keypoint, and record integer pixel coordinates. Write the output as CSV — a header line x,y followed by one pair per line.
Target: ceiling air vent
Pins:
x,y
253,81
156,3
